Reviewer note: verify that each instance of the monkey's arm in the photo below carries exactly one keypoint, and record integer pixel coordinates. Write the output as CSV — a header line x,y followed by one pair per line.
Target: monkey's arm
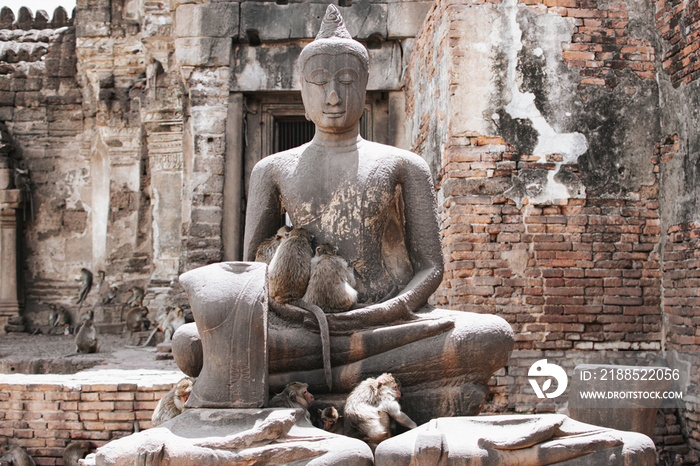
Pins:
x,y
423,247
263,210
393,408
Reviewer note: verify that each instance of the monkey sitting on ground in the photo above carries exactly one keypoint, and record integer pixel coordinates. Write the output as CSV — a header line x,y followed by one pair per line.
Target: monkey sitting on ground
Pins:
x,y
76,451
86,338
173,403
16,456
294,395
332,281
371,406
266,249
288,277
137,319
174,320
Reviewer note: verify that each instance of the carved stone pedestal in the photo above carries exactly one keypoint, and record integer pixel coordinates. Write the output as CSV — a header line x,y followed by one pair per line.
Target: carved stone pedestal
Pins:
x,y
232,437
10,200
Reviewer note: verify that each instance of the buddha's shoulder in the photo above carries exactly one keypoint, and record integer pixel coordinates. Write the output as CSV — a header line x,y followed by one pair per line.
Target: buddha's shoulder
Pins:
x,y
385,153
280,159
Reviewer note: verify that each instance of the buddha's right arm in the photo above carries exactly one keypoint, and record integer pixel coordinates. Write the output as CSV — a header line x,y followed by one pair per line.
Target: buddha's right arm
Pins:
x,y
263,210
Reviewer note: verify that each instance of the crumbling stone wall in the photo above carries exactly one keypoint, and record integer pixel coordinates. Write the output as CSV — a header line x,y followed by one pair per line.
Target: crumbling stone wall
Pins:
x,y
557,192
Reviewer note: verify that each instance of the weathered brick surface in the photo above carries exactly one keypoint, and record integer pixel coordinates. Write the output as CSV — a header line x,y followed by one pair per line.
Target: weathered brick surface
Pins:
x,y
44,428
679,25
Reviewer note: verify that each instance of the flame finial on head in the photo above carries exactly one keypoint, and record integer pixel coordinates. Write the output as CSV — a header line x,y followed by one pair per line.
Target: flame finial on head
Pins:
x,y
333,25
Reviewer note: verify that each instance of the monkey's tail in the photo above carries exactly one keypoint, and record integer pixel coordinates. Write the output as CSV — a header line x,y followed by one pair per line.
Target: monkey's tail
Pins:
x,y
325,339
296,312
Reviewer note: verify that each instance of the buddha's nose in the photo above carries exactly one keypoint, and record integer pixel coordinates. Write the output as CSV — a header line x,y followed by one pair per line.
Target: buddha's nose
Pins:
x,y
333,98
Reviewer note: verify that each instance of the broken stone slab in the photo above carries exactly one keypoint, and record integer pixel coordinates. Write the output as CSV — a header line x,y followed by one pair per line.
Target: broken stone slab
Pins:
x,y
208,20
203,51
233,437
629,404
405,19
515,440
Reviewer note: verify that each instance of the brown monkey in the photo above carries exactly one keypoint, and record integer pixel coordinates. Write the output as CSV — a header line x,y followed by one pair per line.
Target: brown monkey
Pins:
x,y
294,395
76,451
86,338
16,456
136,298
173,403
371,406
288,278
266,249
331,282
174,320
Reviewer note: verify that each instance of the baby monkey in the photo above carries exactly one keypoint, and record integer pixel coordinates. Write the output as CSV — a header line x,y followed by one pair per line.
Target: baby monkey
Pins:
x,y
173,403
327,418
371,406
332,281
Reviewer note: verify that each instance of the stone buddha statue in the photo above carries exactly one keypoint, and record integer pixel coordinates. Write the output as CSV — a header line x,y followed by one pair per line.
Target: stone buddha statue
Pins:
x,y
376,203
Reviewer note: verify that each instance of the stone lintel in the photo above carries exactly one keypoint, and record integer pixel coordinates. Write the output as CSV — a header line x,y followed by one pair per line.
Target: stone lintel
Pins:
x,y
405,19
273,22
207,20
268,68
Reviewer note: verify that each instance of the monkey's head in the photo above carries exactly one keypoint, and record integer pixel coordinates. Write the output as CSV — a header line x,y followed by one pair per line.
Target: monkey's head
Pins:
x,y
283,232
386,383
184,388
300,233
329,416
326,248
299,393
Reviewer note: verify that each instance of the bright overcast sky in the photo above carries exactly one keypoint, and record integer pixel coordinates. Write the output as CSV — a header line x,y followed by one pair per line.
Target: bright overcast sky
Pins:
x,y
48,5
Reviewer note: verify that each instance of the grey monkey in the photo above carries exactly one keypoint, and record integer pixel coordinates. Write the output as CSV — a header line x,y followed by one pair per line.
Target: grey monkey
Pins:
x,y
16,456
85,286
173,403
86,338
288,274
266,249
332,281
76,451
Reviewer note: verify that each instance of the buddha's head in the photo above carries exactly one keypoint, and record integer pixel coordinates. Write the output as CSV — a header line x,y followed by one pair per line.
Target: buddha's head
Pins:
x,y
334,69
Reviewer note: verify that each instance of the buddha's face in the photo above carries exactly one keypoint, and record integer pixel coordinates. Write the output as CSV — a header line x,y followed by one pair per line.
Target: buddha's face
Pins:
x,y
333,91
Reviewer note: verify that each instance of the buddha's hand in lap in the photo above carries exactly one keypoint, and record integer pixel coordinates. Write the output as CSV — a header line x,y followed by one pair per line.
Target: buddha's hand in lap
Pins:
x,y
374,315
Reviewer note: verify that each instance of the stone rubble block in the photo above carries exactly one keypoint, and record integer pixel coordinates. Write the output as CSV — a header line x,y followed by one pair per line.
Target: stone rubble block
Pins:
x,y
209,20
203,51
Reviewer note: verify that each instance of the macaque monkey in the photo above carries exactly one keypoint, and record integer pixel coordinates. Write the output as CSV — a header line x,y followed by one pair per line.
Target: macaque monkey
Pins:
x,y
76,451
331,282
371,406
173,403
86,338
294,395
266,249
136,298
59,318
328,419
137,319
85,286
16,456
288,277
174,320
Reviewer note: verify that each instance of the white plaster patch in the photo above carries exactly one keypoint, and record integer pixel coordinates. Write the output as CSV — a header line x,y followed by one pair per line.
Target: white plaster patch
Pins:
x,y
522,105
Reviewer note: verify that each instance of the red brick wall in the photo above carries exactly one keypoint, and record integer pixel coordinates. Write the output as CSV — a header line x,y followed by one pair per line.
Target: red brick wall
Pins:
x,y
44,418
678,22
582,275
